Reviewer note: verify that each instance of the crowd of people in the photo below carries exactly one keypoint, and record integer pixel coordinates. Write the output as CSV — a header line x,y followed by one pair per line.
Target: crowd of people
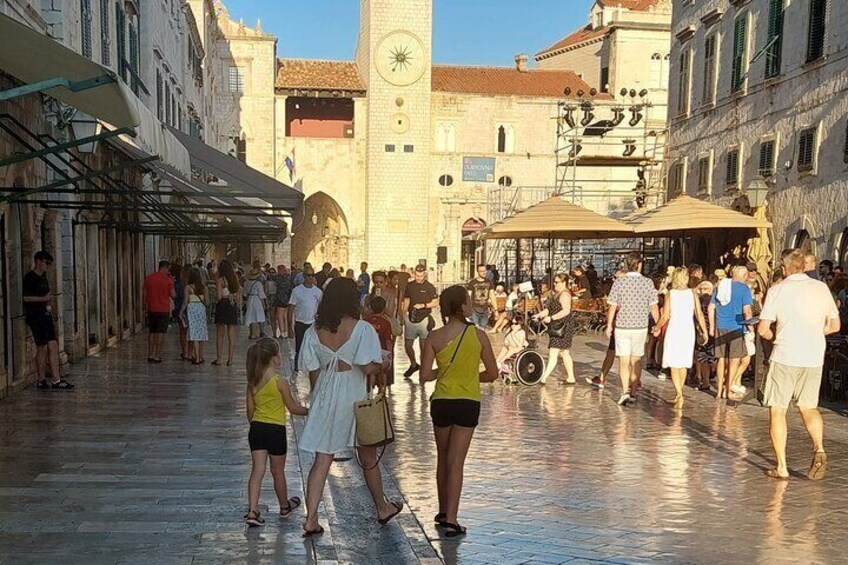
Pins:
x,y
344,328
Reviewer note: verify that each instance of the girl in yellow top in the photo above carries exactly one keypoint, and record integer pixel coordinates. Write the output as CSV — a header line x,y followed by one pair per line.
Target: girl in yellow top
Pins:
x,y
457,348
268,395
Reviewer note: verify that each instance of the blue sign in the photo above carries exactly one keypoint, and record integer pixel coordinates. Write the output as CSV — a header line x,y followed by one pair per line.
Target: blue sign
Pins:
x,y
478,169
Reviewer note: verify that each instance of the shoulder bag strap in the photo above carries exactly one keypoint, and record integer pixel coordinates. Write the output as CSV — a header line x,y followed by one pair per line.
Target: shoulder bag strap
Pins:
x,y
455,351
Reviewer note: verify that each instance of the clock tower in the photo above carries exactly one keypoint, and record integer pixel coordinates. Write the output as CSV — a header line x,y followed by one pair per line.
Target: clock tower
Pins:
x,y
393,57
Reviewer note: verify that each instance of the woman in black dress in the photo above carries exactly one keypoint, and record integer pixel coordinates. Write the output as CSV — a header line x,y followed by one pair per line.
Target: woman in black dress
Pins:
x,y
226,311
561,328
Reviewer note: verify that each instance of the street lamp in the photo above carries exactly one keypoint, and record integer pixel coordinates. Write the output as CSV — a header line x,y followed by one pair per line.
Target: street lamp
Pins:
x,y
85,126
757,192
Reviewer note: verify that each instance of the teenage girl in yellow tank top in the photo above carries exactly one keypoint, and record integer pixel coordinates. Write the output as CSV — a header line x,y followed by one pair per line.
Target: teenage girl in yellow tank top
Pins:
x,y
457,348
268,395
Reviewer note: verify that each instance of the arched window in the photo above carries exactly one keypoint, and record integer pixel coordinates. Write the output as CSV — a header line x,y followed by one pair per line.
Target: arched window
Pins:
x,y
655,76
445,180
501,139
664,71
506,139
803,241
505,181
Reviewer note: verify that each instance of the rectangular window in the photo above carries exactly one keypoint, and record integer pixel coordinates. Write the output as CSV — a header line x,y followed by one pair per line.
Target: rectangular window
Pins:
x,y
134,61
604,79
85,20
740,52
704,175
816,34
409,149
710,62
683,83
390,148
236,79
766,166
160,93
105,34
731,179
806,150
167,103
775,38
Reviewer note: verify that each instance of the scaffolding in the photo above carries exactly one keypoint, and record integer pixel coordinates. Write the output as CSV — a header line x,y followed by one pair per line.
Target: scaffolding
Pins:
x,y
609,158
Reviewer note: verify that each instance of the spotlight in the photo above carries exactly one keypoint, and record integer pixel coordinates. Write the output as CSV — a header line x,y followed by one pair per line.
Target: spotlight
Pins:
x,y
629,147
636,115
593,91
623,92
588,115
643,92
580,93
567,91
569,116
632,93
575,150
617,115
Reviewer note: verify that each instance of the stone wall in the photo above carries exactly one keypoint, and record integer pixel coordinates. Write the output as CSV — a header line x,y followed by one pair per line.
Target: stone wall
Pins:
x,y
803,95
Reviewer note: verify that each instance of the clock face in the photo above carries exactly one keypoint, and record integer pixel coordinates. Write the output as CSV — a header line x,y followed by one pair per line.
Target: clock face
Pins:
x,y
399,58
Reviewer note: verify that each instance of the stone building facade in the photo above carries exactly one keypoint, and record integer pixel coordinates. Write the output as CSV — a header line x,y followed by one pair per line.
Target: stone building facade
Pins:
x,y
757,92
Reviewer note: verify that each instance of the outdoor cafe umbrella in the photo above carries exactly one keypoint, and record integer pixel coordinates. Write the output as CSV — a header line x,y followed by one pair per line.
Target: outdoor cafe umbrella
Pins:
x,y
684,215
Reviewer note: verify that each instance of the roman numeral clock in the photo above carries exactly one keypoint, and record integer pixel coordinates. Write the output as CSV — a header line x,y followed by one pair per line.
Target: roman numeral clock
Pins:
x,y
400,58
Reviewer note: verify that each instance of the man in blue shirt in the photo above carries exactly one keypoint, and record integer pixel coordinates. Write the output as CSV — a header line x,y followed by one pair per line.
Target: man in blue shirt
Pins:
x,y
729,307
363,282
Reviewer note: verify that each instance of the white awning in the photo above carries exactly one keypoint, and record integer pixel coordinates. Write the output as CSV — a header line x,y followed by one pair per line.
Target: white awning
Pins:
x,y
36,59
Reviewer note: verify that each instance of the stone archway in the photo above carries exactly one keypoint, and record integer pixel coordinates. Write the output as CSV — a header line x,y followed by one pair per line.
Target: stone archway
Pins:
x,y
322,236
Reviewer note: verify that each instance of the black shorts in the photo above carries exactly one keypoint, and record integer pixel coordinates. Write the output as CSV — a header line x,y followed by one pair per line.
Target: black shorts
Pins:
x,y
455,412
157,322
268,437
43,330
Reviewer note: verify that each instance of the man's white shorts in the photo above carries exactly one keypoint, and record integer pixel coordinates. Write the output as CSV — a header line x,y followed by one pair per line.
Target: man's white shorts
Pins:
x,y
630,343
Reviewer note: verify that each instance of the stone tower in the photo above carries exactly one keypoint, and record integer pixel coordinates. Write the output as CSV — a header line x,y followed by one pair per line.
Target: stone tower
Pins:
x,y
393,57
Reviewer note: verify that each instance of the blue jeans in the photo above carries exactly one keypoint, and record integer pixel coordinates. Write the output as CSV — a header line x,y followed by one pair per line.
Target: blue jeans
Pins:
x,y
480,319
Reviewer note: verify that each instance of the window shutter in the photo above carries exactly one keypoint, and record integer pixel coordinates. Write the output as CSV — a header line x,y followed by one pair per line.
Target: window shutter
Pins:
x,y
683,84
704,174
85,20
708,96
133,62
160,108
806,149
120,32
818,26
732,177
775,33
766,166
105,34
740,37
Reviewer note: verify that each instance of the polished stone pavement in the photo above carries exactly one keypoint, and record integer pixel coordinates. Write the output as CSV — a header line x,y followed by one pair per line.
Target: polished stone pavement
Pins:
x,y
149,463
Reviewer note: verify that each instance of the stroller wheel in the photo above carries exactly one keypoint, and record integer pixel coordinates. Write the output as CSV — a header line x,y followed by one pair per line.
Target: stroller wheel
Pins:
x,y
529,367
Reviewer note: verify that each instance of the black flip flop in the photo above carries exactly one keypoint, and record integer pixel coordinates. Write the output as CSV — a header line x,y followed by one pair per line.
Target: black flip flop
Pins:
x,y
454,530
388,518
440,518
310,533
293,503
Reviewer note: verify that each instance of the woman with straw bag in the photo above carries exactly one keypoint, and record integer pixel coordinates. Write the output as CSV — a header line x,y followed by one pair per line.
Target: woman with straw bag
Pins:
x,y
457,348
339,352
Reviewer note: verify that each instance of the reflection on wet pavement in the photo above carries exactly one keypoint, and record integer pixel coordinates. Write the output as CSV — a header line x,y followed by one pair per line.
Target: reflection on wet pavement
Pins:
x,y
149,464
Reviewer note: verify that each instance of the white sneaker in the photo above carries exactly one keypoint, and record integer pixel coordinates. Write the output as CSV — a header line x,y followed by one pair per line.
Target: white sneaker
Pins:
x,y
624,400
738,389
662,376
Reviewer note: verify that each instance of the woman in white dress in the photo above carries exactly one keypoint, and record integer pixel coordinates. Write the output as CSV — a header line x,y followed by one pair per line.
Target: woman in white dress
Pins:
x,y
681,312
339,352
254,293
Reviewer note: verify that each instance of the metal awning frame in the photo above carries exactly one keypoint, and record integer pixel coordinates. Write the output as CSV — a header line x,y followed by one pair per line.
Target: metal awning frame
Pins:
x,y
73,86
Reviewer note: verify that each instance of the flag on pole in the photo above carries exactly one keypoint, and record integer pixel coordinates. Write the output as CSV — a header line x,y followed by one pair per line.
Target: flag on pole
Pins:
x,y
290,165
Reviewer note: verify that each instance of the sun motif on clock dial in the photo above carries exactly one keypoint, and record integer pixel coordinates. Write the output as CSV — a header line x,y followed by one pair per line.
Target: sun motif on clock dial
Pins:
x,y
399,58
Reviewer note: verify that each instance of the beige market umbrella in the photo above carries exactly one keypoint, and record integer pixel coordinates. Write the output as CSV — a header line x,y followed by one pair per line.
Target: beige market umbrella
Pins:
x,y
684,215
556,218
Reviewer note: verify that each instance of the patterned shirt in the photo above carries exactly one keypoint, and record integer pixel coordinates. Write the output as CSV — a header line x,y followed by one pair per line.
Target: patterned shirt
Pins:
x,y
634,295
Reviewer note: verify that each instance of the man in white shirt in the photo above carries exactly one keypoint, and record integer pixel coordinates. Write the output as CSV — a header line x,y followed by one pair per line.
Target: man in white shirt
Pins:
x,y
805,313
303,309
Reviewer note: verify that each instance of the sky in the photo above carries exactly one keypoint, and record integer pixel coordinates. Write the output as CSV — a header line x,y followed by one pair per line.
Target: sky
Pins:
x,y
465,32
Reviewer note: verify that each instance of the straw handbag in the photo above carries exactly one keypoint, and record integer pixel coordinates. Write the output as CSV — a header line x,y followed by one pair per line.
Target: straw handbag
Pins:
x,y
373,424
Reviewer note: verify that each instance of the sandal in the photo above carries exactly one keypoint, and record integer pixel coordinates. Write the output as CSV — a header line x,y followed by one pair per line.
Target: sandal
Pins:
x,y
293,503
388,518
773,474
440,518
257,519
454,530
310,533
216,362
818,467
61,384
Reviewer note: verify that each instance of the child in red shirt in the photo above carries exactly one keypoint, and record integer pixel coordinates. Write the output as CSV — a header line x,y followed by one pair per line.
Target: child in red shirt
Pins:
x,y
383,325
